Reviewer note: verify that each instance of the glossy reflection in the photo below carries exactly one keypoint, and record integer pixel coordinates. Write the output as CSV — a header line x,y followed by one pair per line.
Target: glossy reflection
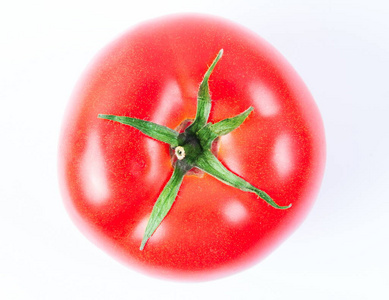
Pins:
x,y
283,155
230,160
170,99
235,212
263,99
95,183
139,230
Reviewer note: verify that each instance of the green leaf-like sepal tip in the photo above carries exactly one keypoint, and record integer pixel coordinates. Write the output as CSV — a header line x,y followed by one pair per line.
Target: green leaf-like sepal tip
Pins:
x,y
211,165
155,131
204,99
163,204
192,149
210,131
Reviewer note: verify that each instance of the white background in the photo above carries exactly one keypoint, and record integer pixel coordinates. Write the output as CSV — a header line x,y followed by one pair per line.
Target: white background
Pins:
x,y
340,48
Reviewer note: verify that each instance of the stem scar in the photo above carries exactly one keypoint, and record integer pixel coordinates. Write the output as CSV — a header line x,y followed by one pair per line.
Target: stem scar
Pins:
x,y
180,152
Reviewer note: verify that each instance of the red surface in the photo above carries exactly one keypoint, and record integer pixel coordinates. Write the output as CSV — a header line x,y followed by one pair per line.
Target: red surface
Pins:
x,y
111,174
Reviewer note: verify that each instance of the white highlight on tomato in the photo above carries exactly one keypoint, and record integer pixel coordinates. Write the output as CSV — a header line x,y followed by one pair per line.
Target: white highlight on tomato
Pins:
x,y
263,100
235,211
170,98
283,156
94,178
141,227
230,159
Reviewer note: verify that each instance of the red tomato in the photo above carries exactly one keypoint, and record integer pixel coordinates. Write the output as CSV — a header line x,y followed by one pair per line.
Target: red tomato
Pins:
x,y
112,174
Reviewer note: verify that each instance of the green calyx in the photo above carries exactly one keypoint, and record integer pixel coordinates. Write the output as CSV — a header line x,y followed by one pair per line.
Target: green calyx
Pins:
x,y
192,149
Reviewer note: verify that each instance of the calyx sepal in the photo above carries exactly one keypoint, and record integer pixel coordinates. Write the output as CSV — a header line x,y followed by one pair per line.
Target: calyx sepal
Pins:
x,y
192,149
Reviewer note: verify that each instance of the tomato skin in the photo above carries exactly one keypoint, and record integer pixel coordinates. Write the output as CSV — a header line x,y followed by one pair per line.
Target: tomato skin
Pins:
x,y
111,174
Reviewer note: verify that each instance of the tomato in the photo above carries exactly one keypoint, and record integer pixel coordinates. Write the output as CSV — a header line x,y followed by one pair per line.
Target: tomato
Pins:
x,y
112,174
